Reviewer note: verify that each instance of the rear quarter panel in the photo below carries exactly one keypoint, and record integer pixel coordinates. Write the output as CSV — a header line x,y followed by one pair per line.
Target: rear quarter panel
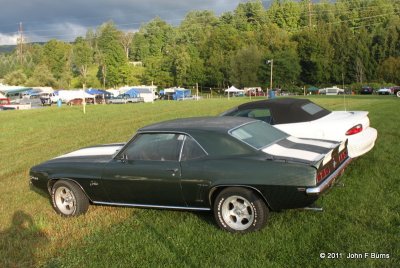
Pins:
x,y
277,182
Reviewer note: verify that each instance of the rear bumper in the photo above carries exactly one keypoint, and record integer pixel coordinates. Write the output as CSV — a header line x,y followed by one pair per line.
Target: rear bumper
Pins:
x,y
328,182
363,142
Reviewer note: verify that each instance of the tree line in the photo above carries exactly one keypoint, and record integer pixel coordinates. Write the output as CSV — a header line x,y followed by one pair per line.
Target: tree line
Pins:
x,y
345,42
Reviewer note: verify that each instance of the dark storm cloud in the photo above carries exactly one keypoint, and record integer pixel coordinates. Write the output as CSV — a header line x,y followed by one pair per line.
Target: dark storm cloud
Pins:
x,y
64,20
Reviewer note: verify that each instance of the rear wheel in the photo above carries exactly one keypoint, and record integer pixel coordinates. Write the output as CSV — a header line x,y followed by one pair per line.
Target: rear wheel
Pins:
x,y
398,94
68,199
240,210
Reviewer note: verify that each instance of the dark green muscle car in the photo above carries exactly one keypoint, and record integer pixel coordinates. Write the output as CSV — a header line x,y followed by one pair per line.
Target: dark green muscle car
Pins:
x,y
224,164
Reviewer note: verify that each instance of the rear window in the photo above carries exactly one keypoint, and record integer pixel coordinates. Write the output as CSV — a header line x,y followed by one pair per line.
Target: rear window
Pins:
x,y
258,134
312,108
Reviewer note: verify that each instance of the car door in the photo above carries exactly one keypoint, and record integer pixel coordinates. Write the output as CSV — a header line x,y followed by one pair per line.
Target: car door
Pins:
x,y
147,171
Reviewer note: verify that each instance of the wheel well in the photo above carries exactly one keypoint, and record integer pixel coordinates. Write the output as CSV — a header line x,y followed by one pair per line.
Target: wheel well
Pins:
x,y
51,183
214,192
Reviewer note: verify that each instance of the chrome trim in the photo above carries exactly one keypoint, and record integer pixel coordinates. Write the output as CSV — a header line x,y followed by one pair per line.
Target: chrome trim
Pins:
x,y
148,206
328,181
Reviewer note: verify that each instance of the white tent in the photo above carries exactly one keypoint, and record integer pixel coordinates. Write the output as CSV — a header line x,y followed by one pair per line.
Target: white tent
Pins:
x,y
67,95
233,89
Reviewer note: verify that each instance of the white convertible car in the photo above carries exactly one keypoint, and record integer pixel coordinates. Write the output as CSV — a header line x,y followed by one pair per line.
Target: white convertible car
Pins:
x,y
305,119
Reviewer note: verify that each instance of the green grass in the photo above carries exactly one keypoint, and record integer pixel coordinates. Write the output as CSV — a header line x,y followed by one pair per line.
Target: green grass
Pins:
x,y
361,217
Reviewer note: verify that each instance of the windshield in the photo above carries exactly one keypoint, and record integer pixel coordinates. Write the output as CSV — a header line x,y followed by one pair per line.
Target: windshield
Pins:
x,y
258,134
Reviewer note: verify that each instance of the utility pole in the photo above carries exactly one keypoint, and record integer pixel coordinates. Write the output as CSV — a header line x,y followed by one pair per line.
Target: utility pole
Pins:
x,y
20,45
270,82
197,91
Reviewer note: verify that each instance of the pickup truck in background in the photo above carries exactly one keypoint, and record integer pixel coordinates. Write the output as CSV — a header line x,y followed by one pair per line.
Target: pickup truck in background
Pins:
x,y
124,98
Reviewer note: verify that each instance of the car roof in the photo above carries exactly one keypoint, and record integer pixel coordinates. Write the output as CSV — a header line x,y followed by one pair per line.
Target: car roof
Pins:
x,y
214,124
286,110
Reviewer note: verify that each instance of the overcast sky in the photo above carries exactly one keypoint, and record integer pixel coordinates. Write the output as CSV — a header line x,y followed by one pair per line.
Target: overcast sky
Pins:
x,y
65,19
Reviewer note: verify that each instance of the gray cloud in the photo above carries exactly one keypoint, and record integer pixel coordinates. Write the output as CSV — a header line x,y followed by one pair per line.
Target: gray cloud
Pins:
x,y
64,20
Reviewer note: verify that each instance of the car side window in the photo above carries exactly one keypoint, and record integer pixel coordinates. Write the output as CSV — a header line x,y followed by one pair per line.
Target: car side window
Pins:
x,y
191,150
155,147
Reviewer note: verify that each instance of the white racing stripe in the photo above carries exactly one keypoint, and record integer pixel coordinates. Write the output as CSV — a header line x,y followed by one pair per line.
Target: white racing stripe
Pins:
x,y
325,144
106,150
278,150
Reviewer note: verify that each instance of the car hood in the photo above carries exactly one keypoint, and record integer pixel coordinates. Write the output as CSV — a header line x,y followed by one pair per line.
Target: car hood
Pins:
x,y
302,150
99,153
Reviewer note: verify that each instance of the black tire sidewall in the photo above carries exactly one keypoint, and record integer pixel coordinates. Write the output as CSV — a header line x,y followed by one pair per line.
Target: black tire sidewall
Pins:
x,y
81,202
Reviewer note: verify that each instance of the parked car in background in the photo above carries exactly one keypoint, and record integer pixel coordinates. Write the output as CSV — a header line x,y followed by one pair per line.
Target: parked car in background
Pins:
x,y
239,168
124,98
305,119
396,90
45,99
4,104
79,101
366,90
384,91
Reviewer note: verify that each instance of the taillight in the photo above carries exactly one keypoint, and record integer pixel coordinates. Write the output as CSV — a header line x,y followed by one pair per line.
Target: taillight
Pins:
x,y
322,174
342,156
354,130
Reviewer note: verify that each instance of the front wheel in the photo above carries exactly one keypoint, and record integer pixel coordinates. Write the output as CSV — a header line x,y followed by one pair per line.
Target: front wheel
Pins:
x,y
68,199
398,93
240,210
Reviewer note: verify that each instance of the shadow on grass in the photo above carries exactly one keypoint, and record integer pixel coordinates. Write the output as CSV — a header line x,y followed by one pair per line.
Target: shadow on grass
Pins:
x,y
20,242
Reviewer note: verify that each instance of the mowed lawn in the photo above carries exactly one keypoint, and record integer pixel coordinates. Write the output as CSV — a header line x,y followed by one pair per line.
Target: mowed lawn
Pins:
x,y
361,217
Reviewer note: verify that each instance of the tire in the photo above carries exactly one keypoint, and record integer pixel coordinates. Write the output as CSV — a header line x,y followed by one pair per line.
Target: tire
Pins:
x,y
398,93
240,210
68,199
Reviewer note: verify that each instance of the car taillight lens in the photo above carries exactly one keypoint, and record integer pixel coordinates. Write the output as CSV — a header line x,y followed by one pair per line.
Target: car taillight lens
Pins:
x,y
322,174
342,156
354,130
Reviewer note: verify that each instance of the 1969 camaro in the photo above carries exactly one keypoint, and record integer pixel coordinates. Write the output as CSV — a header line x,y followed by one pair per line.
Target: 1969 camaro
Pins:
x,y
305,119
224,164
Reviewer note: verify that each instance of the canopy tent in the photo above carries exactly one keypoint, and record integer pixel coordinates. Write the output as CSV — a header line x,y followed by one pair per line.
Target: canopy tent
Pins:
x,y
94,91
11,90
67,95
234,90
133,93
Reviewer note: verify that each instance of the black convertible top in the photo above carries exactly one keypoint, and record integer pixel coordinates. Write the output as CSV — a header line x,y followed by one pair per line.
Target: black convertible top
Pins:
x,y
216,124
285,110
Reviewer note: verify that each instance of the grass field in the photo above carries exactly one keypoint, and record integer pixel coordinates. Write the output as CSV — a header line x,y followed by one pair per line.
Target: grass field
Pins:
x,y
362,217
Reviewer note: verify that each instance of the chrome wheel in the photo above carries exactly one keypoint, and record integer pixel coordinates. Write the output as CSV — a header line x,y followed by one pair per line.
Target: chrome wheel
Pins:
x,y
65,200
237,212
